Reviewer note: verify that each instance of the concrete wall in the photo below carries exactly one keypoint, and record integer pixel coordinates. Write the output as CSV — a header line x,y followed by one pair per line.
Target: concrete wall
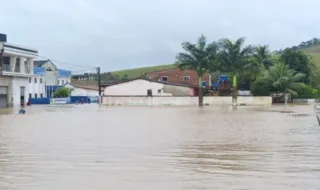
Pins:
x,y
7,82
178,90
84,92
185,101
303,101
18,82
37,88
63,80
51,78
136,88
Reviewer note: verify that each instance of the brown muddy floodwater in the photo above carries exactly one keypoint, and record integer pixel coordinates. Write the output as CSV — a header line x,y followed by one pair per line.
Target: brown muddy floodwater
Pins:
x,y
87,147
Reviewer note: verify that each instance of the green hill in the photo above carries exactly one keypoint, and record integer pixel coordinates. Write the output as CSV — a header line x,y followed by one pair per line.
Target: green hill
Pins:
x,y
135,73
314,52
311,47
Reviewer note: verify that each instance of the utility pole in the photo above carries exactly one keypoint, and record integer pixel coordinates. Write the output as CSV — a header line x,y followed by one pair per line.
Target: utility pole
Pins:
x,y
99,83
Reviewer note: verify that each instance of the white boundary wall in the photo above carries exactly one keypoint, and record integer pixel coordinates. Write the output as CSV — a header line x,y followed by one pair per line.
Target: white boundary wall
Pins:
x,y
183,101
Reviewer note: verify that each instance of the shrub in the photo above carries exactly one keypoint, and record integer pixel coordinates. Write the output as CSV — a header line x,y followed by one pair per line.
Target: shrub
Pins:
x,y
62,92
308,92
261,88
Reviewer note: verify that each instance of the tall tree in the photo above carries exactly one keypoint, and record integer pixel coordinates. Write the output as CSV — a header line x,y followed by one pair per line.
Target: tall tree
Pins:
x,y
198,57
263,56
284,79
298,61
260,61
233,57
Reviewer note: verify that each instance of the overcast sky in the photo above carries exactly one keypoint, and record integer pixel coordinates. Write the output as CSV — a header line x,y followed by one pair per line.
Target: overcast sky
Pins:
x,y
119,34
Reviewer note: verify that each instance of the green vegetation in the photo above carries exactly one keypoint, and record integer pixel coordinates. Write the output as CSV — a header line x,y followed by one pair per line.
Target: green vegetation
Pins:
x,y
294,70
311,47
281,78
233,58
62,92
135,73
199,57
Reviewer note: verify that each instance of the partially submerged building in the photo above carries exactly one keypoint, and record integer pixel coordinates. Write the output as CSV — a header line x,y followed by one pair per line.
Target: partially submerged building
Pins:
x,y
16,67
178,76
145,87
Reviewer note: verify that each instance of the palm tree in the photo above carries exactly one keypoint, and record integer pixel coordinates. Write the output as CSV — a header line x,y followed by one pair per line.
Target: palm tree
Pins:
x,y
260,61
233,58
198,57
263,56
252,70
281,77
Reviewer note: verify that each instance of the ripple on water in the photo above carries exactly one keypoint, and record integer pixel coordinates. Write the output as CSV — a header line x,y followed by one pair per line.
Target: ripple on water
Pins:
x,y
91,147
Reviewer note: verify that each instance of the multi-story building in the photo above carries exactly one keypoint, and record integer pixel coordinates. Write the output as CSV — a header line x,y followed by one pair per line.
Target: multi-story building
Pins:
x,y
53,75
52,78
16,64
37,83
178,76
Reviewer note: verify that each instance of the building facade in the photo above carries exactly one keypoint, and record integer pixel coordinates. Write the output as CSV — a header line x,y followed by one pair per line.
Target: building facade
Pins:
x,y
179,77
83,90
16,64
144,87
37,83
53,77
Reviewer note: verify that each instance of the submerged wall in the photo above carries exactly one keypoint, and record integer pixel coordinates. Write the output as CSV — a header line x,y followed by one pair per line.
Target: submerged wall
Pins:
x,y
184,101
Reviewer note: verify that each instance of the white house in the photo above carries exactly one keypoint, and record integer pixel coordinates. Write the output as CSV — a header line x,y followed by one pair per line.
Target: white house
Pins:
x,y
17,68
82,91
144,87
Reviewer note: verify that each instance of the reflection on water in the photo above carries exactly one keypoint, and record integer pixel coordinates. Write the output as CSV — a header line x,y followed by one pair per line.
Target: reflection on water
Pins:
x,y
88,147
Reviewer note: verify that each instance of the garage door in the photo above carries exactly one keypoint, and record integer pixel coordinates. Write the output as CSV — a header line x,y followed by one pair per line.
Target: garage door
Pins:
x,y
3,96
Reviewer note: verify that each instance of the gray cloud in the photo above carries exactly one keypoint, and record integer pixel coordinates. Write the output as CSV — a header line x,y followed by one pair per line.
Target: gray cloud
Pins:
x,y
125,33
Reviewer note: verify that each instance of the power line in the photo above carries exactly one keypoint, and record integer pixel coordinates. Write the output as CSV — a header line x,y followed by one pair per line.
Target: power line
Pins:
x,y
65,63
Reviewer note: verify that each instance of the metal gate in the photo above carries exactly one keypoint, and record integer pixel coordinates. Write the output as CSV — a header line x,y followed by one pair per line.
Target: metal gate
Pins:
x,y
3,96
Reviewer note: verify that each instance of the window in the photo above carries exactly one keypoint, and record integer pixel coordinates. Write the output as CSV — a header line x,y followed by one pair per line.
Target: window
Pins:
x,y
41,95
35,80
30,80
149,92
35,95
58,82
164,78
186,78
30,95
40,80
62,82
159,90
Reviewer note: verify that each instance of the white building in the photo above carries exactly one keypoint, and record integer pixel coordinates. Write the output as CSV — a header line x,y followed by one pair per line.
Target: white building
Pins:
x,y
52,77
37,83
17,68
82,91
143,87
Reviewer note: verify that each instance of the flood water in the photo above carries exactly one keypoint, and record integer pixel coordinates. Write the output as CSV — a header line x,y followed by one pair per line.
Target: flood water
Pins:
x,y
87,147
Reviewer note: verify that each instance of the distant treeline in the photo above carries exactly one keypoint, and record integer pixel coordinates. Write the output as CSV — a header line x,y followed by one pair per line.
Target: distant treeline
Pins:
x,y
302,45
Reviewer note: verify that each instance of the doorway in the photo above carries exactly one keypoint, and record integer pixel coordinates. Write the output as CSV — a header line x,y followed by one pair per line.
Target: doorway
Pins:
x,y
3,96
22,95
